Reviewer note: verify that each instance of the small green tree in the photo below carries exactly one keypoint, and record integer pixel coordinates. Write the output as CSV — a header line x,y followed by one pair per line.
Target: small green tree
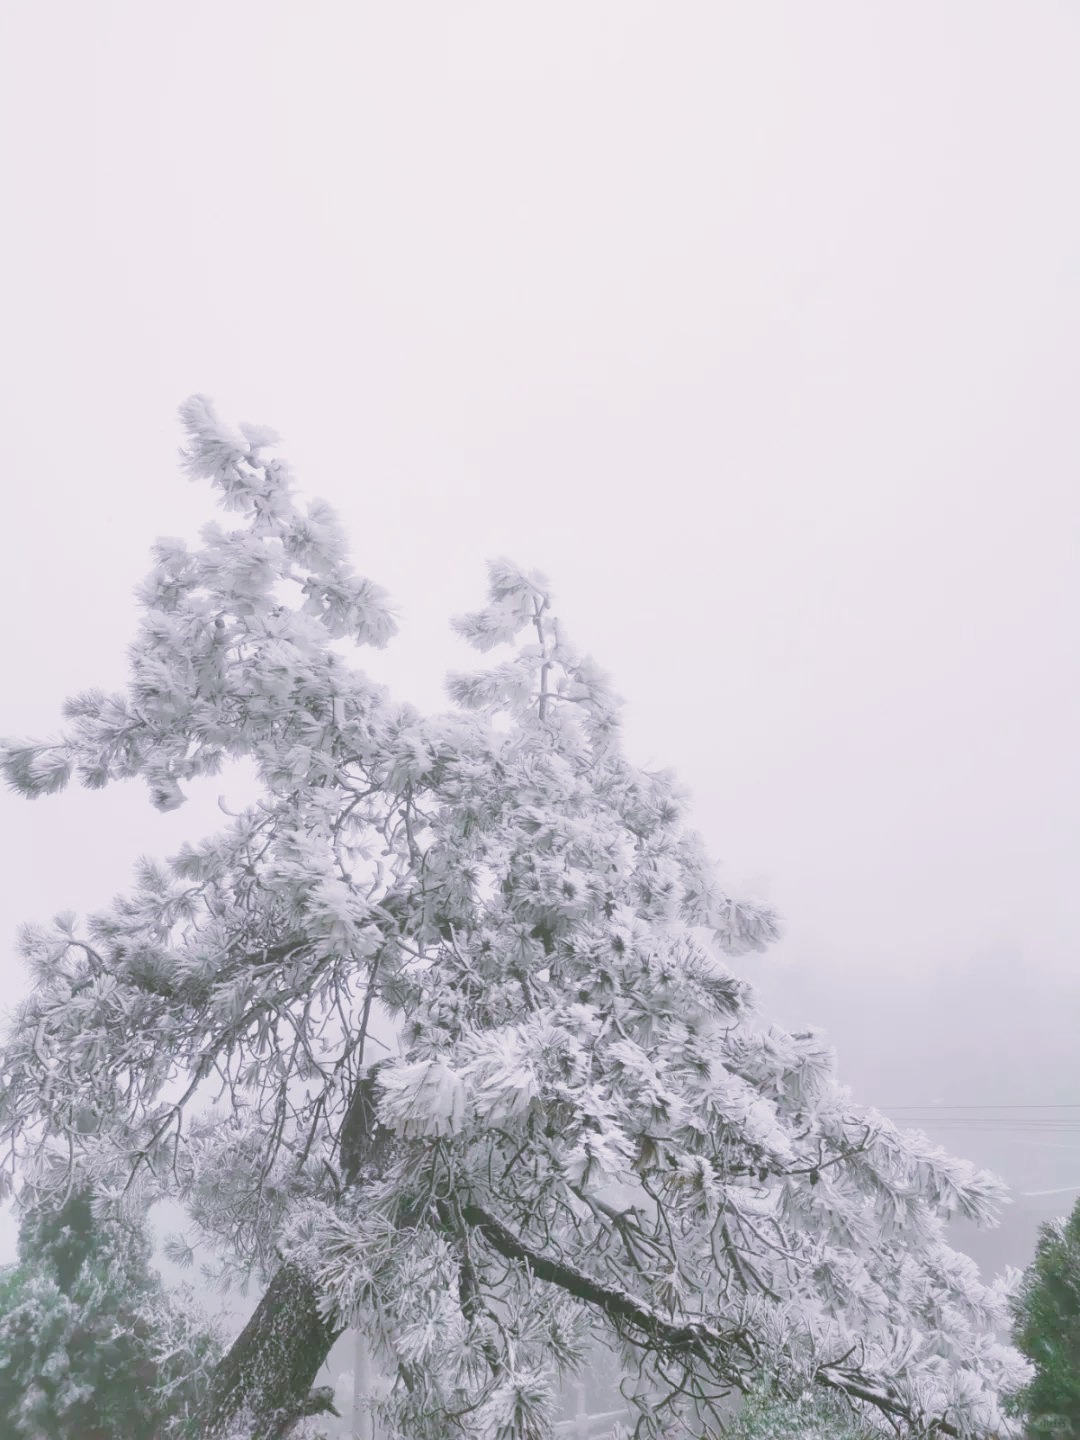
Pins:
x,y
1047,1329
91,1347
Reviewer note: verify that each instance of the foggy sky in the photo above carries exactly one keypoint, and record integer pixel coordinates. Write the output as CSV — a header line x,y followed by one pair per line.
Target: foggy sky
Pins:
x,y
753,326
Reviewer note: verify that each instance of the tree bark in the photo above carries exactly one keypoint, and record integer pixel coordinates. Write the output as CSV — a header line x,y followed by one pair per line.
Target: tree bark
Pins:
x,y
263,1387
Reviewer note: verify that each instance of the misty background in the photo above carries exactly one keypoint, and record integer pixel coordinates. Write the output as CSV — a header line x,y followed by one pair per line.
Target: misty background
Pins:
x,y
754,326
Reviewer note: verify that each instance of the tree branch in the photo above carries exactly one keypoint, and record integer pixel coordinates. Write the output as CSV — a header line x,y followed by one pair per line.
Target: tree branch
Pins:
x,y
692,1337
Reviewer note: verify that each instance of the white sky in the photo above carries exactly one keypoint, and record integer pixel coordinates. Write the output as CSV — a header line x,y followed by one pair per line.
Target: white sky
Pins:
x,y
754,325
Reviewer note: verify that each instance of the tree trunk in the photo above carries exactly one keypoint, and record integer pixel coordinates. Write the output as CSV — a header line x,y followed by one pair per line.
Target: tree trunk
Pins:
x,y
262,1387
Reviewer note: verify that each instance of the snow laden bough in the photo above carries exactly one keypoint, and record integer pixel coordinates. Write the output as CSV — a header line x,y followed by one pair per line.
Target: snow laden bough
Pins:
x,y
587,1127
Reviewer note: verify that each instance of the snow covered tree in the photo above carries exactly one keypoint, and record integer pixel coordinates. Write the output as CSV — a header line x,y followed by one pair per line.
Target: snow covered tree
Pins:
x,y
1047,1329
91,1346
586,1126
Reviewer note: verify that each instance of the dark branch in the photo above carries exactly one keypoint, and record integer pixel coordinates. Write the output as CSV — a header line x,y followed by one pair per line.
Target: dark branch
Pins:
x,y
692,1337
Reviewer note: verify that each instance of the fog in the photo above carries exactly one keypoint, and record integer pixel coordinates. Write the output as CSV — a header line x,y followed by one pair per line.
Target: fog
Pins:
x,y
754,326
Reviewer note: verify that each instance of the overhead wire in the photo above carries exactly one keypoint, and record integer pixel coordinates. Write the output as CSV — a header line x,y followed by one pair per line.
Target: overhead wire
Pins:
x,y
985,1116
1020,1123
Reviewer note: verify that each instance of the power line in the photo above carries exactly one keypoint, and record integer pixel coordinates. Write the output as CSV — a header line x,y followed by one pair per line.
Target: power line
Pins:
x,y
989,1122
1012,1122
1051,1105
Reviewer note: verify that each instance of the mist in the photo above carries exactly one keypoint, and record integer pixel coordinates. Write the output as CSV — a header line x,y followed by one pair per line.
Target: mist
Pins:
x,y
754,327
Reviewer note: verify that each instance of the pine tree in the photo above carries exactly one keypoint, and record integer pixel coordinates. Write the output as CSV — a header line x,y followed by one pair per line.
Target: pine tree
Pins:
x,y
91,1347
1046,1329
586,1123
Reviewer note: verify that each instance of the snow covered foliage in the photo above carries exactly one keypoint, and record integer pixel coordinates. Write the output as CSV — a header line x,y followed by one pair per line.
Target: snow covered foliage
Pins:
x,y
588,1122
767,1414
91,1346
